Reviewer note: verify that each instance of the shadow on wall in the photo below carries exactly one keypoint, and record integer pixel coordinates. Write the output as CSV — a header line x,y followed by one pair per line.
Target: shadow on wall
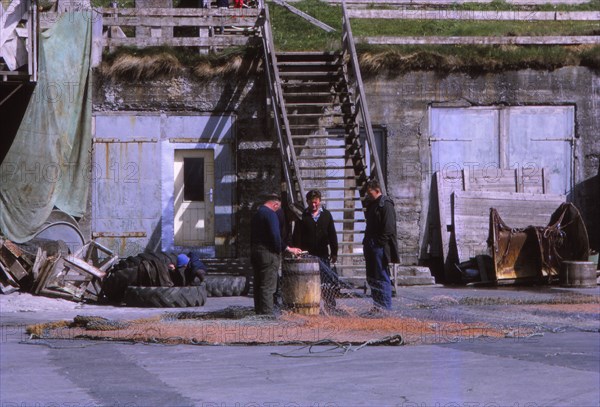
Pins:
x,y
431,247
586,196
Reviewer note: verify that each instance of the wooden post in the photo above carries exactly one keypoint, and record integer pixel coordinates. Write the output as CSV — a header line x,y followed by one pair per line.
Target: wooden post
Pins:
x,y
160,32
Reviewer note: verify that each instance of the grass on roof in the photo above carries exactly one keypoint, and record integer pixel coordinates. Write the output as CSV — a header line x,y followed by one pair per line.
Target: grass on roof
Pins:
x,y
293,33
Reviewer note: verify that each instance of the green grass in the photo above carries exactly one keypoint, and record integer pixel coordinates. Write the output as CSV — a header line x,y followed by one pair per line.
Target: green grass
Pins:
x,y
293,33
106,3
394,60
385,27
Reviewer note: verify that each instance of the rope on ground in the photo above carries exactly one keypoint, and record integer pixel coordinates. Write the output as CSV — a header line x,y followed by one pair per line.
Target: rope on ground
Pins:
x,y
392,340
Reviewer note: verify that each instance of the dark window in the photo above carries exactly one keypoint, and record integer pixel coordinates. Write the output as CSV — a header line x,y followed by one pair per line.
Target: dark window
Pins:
x,y
193,179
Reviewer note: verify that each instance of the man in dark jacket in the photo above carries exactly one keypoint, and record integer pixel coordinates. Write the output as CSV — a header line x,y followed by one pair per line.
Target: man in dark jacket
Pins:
x,y
315,233
189,270
380,244
266,249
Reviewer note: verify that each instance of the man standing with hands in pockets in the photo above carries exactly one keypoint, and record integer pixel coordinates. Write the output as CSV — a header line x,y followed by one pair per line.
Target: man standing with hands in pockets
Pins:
x,y
380,245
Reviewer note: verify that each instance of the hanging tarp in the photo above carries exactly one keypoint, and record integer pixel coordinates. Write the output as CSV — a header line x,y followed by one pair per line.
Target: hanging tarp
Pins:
x,y
48,163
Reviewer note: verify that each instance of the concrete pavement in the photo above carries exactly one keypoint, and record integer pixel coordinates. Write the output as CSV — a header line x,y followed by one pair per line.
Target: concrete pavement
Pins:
x,y
558,367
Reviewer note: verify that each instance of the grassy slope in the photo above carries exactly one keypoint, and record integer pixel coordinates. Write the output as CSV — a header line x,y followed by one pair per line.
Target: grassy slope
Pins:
x,y
293,33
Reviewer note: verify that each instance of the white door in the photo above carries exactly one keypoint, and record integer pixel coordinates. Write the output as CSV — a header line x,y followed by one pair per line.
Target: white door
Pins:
x,y
194,203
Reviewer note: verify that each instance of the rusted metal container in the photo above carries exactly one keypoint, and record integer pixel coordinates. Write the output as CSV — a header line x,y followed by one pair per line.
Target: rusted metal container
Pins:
x,y
301,285
580,274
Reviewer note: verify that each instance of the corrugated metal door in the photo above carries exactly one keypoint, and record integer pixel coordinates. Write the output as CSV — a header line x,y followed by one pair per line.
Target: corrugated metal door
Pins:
x,y
194,189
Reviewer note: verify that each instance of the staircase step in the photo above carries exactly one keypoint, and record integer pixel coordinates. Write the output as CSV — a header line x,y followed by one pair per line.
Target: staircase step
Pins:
x,y
345,210
291,93
341,199
309,147
320,157
309,104
315,82
329,63
317,115
326,178
310,75
326,167
317,136
307,56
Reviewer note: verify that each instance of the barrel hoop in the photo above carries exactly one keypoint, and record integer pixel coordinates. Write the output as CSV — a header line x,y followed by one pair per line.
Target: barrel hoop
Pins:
x,y
299,272
303,305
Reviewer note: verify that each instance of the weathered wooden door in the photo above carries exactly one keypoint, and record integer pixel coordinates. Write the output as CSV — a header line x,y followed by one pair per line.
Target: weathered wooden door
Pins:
x,y
194,204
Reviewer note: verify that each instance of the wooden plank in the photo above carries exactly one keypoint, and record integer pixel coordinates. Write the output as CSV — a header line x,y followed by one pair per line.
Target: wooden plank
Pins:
x,y
180,22
481,40
219,41
40,260
471,213
179,12
437,3
482,180
476,15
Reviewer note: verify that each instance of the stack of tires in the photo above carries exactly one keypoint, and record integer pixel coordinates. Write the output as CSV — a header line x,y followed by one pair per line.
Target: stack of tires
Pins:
x,y
144,281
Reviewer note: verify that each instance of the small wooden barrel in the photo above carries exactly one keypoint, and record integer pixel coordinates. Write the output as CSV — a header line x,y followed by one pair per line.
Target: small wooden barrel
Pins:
x,y
301,285
577,274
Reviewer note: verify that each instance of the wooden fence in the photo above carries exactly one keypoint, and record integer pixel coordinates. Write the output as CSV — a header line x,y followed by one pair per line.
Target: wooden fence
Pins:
x,y
196,27
477,15
447,3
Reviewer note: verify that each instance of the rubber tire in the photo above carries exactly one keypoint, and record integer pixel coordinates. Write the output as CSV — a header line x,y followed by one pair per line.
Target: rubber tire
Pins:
x,y
225,286
165,297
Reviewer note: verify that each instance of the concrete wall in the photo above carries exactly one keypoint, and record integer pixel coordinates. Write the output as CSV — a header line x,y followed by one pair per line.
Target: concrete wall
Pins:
x,y
397,103
401,103
252,150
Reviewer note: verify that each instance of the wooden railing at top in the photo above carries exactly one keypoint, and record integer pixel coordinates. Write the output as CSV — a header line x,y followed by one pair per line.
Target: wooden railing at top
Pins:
x,y
478,15
360,102
446,3
206,21
288,154
241,21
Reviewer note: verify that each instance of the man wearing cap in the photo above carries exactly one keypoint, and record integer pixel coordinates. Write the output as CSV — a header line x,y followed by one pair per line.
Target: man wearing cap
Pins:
x,y
189,270
266,250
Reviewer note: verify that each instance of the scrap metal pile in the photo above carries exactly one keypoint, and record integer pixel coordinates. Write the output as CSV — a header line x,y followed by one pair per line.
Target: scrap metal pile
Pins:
x,y
47,268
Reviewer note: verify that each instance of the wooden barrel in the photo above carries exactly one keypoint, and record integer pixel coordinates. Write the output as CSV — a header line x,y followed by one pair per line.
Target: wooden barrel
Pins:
x,y
577,274
301,285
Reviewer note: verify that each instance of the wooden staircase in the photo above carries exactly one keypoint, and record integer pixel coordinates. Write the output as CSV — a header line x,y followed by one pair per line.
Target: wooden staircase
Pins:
x,y
325,136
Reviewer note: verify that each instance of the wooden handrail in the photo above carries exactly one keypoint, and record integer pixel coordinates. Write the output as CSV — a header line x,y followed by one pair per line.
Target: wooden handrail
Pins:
x,y
348,46
482,40
288,155
476,15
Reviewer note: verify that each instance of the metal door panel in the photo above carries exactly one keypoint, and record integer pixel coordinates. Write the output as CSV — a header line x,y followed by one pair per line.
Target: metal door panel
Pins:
x,y
463,138
541,137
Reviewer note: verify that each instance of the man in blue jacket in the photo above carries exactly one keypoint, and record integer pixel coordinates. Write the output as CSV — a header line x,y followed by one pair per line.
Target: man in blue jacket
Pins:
x,y
266,250
380,244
